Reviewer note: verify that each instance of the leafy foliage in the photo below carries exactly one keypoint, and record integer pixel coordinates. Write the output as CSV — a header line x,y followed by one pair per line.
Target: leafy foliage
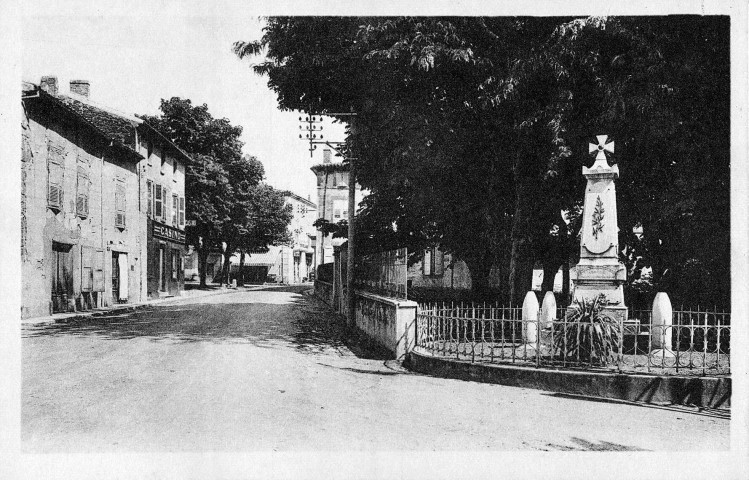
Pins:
x,y
587,334
471,132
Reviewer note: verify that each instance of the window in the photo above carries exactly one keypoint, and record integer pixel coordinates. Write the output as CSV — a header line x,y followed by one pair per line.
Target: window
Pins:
x,y
432,264
340,209
119,203
182,212
158,204
149,148
335,179
149,207
175,210
56,173
81,199
163,159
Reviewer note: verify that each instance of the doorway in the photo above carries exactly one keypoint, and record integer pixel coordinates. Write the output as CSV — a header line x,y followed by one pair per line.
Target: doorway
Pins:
x,y
119,277
162,269
62,277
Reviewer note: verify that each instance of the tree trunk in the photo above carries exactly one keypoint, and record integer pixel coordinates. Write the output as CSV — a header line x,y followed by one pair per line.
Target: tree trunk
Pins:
x,y
240,275
521,254
227,265
551,267
202,264
566,281
521,270
480,269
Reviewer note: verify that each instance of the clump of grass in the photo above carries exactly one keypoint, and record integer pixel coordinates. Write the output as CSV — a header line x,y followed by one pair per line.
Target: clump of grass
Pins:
x,y
588,334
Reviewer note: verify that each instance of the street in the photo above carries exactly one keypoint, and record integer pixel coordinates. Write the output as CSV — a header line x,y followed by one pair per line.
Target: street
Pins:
x,y
270,370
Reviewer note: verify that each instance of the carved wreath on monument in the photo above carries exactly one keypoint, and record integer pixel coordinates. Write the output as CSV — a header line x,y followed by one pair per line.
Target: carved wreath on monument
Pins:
x,y
598,218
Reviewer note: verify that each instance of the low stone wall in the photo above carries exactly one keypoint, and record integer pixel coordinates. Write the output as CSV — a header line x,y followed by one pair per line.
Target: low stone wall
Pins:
x,y
324,291
389,322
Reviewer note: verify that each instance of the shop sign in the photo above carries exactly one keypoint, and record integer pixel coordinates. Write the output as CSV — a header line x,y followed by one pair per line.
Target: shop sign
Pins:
x,y
168,233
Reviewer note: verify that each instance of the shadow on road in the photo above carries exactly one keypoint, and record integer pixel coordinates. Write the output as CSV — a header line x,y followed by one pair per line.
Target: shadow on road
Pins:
x,y
293,321
586,446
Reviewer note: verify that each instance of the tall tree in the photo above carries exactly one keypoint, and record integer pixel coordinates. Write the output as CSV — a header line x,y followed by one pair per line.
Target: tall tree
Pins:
x,y
472,131
231,206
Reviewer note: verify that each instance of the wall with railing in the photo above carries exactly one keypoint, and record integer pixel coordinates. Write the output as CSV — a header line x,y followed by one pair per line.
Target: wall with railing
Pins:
x,y
683,343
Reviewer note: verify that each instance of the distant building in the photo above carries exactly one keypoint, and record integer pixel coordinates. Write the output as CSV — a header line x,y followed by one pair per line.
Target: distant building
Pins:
x,y
332,201
289,264
84,203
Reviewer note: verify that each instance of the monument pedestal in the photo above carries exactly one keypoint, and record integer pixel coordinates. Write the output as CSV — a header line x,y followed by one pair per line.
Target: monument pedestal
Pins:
x,y
599,270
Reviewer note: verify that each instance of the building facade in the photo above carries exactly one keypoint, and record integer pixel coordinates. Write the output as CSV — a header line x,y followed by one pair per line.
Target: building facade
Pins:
x,y
84,222
163,177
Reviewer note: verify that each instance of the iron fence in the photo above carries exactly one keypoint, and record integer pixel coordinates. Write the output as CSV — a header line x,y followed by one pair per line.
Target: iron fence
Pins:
x,y
697,343
383,273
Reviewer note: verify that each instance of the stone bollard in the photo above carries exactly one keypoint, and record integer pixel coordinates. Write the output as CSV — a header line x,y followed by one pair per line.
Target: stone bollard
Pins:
x,y
661,326
234,283
548,310
530,317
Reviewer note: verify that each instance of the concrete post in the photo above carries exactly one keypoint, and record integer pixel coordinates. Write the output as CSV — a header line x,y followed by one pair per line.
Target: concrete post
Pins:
x,y
661,325
530,317
548,310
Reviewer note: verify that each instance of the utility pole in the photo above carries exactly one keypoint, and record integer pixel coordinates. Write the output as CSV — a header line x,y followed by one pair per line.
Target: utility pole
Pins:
x,y
312,128
351,307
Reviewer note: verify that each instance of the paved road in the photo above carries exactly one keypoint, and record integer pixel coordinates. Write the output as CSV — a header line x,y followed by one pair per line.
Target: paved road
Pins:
x,y
270,370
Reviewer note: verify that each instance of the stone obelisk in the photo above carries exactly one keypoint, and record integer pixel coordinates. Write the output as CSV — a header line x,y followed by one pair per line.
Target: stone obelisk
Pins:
x,y
599,270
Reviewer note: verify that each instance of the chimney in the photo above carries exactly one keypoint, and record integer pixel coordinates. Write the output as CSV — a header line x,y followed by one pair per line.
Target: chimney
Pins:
x,y
49,84
80,87
326,156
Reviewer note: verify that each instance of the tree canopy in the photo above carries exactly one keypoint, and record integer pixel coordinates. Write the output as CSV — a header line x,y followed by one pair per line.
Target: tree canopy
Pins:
x,y
471,132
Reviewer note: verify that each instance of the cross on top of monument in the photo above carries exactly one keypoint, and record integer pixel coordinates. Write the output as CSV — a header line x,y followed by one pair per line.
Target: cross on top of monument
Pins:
x,y
602,147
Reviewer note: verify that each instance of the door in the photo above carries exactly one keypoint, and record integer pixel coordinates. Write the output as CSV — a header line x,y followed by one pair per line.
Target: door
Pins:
x,y
162,269
115,276
62,276
122,293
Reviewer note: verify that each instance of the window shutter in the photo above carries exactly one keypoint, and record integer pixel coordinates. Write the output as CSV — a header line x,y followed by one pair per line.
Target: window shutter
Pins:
x,y
182,212
158,203
427,262
55,178
81,200
164,204
120,205
175,210
439,258
149,187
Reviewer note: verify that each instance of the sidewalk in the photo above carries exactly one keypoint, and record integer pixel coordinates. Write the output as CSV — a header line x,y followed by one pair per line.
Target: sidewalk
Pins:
x,y
192,291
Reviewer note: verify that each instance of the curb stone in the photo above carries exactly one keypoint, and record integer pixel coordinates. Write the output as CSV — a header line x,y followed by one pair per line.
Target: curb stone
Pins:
x,y
701,392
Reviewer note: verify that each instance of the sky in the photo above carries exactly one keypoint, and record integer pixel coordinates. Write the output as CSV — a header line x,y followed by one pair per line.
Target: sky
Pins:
x,y
135,60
